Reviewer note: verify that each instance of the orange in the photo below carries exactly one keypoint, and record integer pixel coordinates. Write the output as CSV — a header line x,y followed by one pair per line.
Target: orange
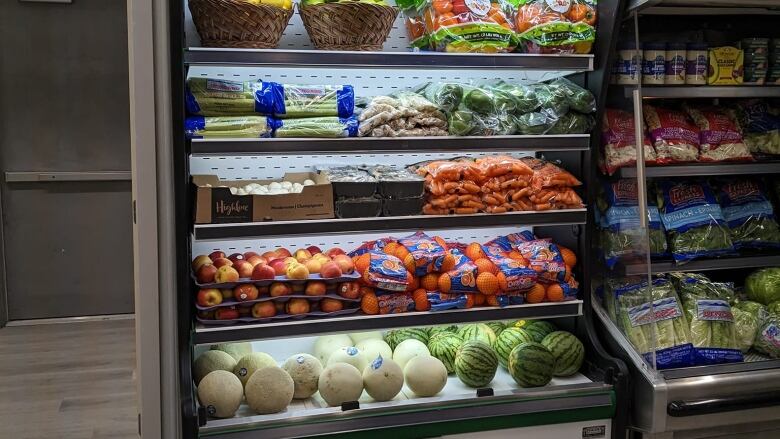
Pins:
x,y
469,301
390,248
487,283
479,299
421,302
502,283
448,262
362,262
554,293
516,255
401,252
369,304
485,265
474,251
445,283
366,290
492,300
535,294
439,240
408,261
569,258
430,282
568,274
412,284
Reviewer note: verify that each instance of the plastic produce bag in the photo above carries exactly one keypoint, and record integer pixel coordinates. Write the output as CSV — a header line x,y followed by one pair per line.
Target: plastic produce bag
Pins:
x,y
579,99
228,126
573,123
760,128
220,97
535,123
693,220
748,213
768,337
524,96
297,101
745,327
466,25
709,315
556,27
488,101
553,99
446,95
763,285
618,141
674,136
327,126
719,135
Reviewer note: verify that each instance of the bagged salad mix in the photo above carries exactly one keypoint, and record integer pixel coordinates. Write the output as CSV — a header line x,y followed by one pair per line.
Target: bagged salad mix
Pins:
x,y
693,220
674,136
711,320
618,141
748,213
719,136
760,127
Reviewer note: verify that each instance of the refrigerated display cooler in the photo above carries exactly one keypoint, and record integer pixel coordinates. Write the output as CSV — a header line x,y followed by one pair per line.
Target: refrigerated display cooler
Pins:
x,y
670,305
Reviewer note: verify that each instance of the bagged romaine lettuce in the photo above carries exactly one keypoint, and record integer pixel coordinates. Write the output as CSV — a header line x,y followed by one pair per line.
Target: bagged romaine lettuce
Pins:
x,y
768,337
755,309
228,126
763,285
710,317
654,323
748,213
693,220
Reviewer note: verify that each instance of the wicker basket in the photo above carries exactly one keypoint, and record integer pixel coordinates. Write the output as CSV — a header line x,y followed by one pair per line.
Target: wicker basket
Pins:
x,y
237,23
348,26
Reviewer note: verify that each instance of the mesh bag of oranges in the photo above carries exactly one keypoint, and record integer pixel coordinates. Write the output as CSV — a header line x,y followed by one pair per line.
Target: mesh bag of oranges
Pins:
x,y
483,26
556,26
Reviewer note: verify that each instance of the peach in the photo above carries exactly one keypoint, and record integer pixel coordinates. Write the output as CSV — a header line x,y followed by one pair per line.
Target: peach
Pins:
x,y
315,288
321,258
330,270
256,260
216,255
280,268
206,273
283,252
279,306
313,249
302,255
263,291
297,306
331,305
221,262
245,292
227,293
290,260
313,265
345,263
248,255
226,313
334,251
279,289
236,257
270,255
200,260
226,274
209,297
349,290
263,309
297,288
243,268
297,271
263,272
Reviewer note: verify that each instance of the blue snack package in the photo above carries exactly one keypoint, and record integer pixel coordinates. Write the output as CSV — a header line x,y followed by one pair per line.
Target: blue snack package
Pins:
x,y
748,213
441,301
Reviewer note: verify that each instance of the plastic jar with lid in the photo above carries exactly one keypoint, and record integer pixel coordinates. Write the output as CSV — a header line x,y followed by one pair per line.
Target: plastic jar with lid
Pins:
x,y
627,66
696,63
653,63
675,63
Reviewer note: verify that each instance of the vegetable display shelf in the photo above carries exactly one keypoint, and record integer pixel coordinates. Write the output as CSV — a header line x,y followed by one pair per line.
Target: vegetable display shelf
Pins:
x,y
703,6
703,169
275,228
736,262
311,58
715,91
519,143
311,326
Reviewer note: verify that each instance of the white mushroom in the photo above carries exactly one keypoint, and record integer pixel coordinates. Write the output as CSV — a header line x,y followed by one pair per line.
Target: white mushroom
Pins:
x,y
233,190
274,185
308,182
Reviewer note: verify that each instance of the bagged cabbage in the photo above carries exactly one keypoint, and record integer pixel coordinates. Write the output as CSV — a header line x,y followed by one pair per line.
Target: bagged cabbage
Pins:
x,y
228,126
774,308
768,337
221,97
755,309
579,99
760,128
693,220
674,136
325,127
763,285
710,317
297,101
748,213
719,136
618,140
745,327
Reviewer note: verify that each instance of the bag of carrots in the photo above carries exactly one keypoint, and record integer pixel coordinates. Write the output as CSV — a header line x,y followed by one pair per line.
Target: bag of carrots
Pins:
x,y
563,26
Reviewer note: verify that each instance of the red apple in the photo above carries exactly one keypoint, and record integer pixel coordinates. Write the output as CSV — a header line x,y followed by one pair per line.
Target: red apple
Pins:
x,y
270,256
330,270
226,313
315,288
236,257
209,297
245,292
297,288
256,260
283,252
243,268
263,272
345,263
349,290
331,305
226,274
297,306
280,268
263,309
206,273
334,251
290,260
200,260
216,255
302,255
297,271
313,249
313,265
279,289
221,262
248,255
227,293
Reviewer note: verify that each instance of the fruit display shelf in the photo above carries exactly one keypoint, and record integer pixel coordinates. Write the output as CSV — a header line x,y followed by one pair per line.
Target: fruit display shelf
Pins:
x,y
703,169
313,326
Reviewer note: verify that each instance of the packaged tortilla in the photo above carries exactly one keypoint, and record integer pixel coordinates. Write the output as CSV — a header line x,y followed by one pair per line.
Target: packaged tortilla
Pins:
x,y
228,126
618,141
674,136
748,213
556,27
719,135
693,220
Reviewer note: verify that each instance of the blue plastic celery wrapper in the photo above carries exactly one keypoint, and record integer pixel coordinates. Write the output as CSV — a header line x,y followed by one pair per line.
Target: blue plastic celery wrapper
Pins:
x,y
197,127
298,101
221,97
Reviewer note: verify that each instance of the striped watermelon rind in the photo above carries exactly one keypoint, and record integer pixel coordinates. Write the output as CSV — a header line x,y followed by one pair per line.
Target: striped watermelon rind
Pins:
x,y
396,336
477,331
444,346
507,340
433,330
531,364
539,329
497,327
476,363
568,351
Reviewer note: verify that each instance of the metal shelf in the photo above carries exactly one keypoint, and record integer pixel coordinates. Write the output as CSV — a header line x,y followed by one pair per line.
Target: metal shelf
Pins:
x,y
702,7
291,328
387,223
659,267
564,142
703,169
704,91
318,58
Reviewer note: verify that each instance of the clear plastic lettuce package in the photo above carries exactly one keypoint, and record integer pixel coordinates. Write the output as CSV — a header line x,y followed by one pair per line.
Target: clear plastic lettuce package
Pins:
x,y
324,127
618,141
693,220
748,213
711,320
228,126
545,26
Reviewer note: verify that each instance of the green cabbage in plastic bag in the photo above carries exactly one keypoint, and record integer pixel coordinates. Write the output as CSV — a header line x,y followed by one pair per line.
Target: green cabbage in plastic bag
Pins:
x,y
774,308
763,286
745,326
768,337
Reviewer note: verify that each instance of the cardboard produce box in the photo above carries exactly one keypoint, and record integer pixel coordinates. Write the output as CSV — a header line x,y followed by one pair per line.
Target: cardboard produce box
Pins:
x,y
215,204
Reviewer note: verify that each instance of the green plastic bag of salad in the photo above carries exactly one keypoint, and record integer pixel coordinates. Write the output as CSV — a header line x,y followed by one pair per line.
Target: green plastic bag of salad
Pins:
x,y
748,213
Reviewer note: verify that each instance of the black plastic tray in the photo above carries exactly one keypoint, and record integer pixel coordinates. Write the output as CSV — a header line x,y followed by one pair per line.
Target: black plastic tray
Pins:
x,y
403,206
358,207
354,189
401,189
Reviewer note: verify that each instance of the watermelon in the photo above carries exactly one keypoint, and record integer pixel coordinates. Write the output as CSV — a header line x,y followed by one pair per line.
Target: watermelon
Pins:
x,y
507,340
395,337
539,329
531,364
476,363
444,346
518,323
433,330
497,327
567,350
477,331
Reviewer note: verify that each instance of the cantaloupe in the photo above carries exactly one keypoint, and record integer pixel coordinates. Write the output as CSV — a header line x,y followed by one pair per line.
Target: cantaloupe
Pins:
x,y
250,363
305,371
408,349
339,383
210,361
236,350
425,375
383,379
350,355
357,337
373,348
327,344
220,393
269,390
